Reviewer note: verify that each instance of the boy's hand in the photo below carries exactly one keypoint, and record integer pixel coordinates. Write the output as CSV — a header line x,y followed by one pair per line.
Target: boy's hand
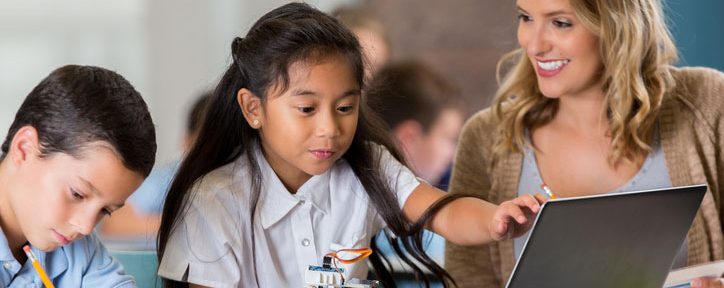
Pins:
x,y
515,217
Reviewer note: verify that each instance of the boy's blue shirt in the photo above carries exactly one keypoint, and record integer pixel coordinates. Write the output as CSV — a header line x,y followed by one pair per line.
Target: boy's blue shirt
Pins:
x,y
82,263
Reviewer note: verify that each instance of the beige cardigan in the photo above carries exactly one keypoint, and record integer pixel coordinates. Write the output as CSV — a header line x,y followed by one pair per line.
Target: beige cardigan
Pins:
x,y
691,124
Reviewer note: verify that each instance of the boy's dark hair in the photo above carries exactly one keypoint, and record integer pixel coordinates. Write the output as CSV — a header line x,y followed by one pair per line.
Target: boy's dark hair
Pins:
x,y
411,91
289,34
76,105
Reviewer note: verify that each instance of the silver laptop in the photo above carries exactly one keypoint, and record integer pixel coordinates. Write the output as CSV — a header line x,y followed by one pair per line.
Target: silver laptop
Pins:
x,y
613,240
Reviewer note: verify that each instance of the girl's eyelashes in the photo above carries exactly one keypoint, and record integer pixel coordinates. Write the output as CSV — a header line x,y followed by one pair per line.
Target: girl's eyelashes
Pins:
x,y
346,108
106,212
306,109
309,110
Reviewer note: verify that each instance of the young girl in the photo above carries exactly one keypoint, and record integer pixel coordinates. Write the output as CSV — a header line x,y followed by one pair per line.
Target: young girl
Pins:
x,y
290,166
81,143
593,105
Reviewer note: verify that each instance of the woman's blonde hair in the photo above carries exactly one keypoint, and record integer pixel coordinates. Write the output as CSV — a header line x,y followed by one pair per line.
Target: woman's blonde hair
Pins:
x,y
636,50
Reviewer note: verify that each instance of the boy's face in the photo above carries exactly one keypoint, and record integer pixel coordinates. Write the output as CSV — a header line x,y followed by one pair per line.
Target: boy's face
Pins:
x,y
60,198
435,149
309,126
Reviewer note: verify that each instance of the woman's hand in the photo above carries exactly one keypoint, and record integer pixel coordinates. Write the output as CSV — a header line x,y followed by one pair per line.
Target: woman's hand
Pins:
x,y
707,283
515,217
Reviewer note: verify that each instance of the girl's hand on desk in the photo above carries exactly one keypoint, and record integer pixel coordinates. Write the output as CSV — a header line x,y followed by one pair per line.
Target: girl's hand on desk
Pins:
x,y
707,283
515,217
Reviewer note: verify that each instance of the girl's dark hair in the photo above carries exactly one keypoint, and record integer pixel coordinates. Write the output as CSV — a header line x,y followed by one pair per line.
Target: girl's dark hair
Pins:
x,y
76,105
422,92
291,33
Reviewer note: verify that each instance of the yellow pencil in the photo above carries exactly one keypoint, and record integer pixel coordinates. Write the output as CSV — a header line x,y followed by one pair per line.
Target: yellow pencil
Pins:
x,y
38,268
548,191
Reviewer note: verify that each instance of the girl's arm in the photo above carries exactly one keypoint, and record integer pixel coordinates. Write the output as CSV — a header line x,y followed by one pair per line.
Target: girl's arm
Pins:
x,y
472,221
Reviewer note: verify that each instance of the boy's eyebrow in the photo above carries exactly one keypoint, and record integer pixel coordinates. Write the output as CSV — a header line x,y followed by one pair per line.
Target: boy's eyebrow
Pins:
x,y
95,191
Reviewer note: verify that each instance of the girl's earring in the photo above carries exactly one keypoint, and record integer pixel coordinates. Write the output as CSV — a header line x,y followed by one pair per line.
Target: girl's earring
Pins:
x,y
255,123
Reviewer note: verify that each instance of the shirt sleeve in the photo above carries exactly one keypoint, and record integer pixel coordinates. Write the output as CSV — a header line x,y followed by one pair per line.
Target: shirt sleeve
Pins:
x,y
204,248
103,270
401,178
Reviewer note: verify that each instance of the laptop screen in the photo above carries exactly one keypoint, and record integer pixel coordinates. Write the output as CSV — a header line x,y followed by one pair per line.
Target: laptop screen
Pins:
x,y
614,240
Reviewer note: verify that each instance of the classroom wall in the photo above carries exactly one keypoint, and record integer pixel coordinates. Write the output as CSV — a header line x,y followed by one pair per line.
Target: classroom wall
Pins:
x,y
462,39
37,36
698,28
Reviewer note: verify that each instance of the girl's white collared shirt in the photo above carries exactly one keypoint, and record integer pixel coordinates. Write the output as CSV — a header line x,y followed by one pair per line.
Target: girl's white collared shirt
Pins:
x,y
212,244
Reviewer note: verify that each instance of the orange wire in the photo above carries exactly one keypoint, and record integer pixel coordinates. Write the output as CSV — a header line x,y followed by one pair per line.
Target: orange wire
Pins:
x,y
363,253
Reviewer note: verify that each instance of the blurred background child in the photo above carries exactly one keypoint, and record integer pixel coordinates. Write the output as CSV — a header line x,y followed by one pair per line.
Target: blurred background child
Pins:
x,y
423,111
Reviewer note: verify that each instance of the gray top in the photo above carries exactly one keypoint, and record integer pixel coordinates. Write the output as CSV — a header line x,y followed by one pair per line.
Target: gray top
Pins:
x,y
653,175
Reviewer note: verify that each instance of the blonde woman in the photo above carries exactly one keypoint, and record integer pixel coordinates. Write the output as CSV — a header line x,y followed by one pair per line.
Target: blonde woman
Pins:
x,y
593,105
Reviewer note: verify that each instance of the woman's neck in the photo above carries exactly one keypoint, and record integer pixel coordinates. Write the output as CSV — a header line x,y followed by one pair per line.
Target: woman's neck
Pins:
x,y
584,113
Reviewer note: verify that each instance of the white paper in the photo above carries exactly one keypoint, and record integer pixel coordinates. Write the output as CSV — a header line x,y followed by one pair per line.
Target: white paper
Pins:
x,y
680,278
